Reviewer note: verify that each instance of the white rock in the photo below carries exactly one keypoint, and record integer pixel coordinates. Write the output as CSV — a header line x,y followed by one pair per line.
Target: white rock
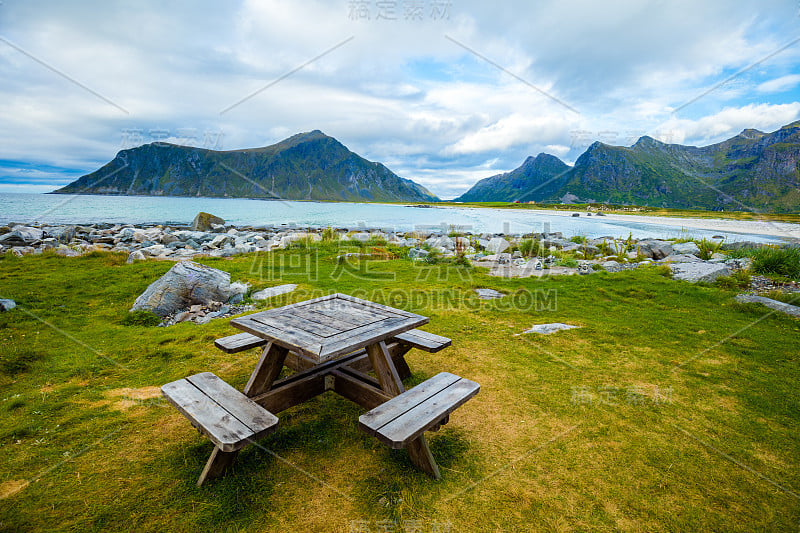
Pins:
x,y
695,272
273,291
547,329
497,245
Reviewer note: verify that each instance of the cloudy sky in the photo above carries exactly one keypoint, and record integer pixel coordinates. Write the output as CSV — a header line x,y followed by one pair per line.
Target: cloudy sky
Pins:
x,y
442,92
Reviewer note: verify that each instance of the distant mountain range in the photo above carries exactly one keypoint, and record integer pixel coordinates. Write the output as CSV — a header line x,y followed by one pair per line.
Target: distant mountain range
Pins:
x,y
306,166
753,170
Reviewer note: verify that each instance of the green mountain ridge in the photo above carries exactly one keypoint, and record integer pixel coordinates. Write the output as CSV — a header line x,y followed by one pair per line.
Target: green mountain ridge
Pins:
x,y
306,166
750,171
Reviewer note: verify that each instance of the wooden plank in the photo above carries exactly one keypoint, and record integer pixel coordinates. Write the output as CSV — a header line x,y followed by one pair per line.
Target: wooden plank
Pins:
x,y
384,368
267,369
298,362
333,320
287,320
429,342
370,334
357,391
217,464
284,395
418,419
377,306
380,416
239,342
221,427
245,410
352,312
293,340
344,318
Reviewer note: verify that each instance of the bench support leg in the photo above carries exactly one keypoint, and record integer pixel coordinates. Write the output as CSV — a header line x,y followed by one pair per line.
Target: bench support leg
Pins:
x,y
264,375
216,465
418,450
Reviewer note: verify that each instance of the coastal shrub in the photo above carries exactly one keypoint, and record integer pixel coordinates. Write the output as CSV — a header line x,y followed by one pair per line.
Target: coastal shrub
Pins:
x,y
708,248
664,270
567,262
577,239
783,262
738,280
460,260
329,234
529,247
141,317
605,248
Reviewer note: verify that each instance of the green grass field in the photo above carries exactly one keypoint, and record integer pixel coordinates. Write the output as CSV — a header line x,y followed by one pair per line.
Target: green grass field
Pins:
x,y
671,408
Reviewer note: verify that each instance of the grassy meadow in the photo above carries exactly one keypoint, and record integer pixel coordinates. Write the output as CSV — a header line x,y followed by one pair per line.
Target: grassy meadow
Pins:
x,y
672,407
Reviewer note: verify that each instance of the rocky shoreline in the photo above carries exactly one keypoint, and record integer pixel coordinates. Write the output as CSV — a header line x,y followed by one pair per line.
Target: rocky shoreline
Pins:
x,y
208,236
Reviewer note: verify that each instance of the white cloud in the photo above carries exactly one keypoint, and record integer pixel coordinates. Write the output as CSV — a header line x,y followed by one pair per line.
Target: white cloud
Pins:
x,y
778,85
399,92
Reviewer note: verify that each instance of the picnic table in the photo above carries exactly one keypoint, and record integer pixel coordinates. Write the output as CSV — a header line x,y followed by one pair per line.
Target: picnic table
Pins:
x,y
332,343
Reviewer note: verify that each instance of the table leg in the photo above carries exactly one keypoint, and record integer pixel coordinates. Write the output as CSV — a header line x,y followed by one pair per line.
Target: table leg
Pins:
x,y
262,378
418,450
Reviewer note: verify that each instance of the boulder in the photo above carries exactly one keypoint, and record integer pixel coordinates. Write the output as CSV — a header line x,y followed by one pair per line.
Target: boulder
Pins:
x,y
273,291
489,294
6,304
681,258
497,245
185,284
203,221
136,255
695,272
418,253
769,302
21,236
547,329
688,248
655,248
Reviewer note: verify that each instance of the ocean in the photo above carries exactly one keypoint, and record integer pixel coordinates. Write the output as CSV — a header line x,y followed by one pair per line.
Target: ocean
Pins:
x,y
85,209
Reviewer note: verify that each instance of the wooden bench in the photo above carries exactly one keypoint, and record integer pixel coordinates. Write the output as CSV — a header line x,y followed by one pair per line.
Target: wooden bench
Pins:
x,y
416,338
224,415
408,415
423,340
239,342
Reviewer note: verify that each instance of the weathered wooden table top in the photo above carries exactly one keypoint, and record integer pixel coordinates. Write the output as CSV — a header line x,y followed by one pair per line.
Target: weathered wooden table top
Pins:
x,y
328,327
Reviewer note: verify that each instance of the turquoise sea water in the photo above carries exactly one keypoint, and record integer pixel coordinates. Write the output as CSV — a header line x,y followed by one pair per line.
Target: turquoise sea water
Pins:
x,y
84,209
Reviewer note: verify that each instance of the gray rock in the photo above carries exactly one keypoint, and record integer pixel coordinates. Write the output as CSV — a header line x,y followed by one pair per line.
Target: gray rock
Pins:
x,y
547,329
695,272
769,302
497,245
681,258
136,255
6,304
611,266
21,236
185,284
489,294
273,291
204,221
689,248
418,254
740,263
655,248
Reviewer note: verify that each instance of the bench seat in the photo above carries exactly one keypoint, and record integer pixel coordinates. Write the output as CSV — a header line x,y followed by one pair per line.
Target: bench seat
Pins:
x,y
223,414
239,342
408,415
423,340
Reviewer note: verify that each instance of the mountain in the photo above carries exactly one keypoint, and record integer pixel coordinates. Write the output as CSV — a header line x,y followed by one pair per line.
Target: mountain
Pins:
x,y
751,171
535,173
306,166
